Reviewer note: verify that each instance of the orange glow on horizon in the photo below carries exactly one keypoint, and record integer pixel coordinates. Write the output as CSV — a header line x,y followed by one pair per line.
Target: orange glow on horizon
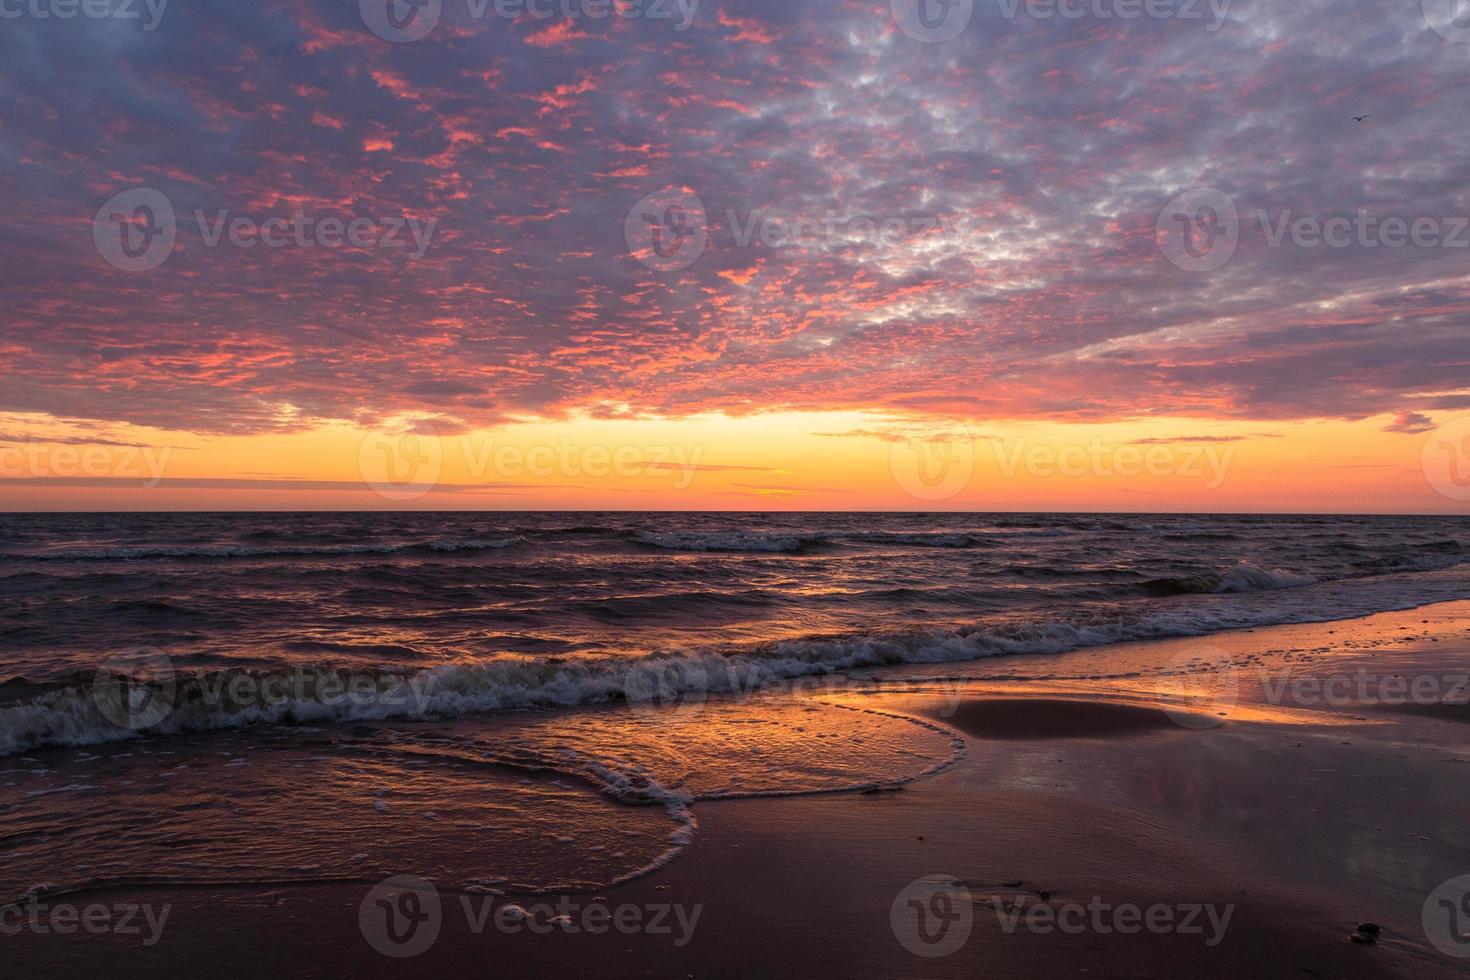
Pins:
x,y
789,462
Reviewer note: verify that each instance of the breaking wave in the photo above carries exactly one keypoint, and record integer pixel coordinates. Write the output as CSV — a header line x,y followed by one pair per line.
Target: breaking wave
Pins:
x,y
1243,577
108,707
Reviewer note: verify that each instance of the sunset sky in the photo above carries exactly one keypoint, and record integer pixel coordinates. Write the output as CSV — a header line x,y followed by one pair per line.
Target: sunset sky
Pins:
x,y
914,272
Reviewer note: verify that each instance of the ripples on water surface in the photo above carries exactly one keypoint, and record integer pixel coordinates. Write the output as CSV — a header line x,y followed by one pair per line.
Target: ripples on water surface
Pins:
x,y
483,613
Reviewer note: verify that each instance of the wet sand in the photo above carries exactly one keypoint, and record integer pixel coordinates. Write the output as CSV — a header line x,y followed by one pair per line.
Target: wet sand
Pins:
x,y
1231,772
1041,718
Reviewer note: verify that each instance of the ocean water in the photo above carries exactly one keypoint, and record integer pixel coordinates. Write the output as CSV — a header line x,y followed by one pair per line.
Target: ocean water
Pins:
x,y
534,702
497,611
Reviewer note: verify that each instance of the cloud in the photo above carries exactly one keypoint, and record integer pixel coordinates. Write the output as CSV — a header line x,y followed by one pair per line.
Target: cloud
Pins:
x,y
1182,440
1410,423
12,439
705,468
905,435
761,490
960,231
294,485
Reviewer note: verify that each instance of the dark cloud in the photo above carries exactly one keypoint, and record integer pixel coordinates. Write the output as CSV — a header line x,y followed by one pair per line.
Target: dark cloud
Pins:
x,y
1410,423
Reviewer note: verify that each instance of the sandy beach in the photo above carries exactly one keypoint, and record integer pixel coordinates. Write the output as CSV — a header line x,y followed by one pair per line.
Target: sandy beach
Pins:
x,y
1237,805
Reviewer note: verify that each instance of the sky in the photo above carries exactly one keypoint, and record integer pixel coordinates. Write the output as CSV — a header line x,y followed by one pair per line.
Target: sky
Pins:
x,y
1099,255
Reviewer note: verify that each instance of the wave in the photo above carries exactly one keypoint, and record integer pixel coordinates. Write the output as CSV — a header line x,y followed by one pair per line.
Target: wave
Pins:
x,y
650,608
785,542
1243,577
931,539
108,708
453,547
1403,563
1201,536
222,551
727,541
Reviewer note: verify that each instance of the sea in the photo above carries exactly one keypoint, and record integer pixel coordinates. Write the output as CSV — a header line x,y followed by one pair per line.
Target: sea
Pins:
x,y
536,702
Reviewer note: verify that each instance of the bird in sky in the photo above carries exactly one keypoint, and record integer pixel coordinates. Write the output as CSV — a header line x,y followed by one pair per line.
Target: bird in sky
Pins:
x,y
1360,119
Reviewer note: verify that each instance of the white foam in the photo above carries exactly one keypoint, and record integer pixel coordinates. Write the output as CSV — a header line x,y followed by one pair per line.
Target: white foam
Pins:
x,y
1248,577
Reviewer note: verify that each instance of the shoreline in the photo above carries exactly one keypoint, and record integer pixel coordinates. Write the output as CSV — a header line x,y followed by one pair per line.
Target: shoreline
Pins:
x,y
63,714
1119,782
